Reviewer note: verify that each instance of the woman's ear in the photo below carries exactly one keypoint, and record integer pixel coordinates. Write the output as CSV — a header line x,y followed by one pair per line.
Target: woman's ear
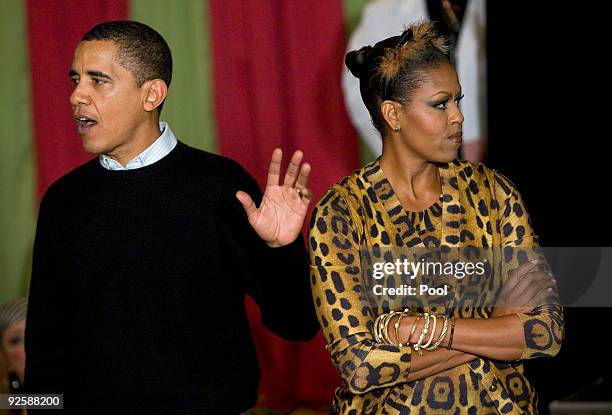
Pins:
x,y
389,110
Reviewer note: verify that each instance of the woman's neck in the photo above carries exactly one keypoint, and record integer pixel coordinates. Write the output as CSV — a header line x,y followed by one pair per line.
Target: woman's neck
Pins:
x,y
415,181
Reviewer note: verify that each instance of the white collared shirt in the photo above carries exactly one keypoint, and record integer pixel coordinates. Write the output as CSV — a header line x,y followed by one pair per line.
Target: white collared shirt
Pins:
x,y
155,152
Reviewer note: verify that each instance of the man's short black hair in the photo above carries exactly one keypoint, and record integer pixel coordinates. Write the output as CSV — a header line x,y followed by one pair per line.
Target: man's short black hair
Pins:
x,y
142,50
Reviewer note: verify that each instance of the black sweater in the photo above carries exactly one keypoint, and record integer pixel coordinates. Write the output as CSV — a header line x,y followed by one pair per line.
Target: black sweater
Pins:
x,y
138,284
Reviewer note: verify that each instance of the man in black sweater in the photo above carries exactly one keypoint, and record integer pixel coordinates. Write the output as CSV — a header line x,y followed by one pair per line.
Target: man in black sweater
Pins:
x,y
143,255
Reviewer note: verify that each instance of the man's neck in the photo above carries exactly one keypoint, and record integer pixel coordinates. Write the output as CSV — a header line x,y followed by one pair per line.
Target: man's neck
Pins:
x,y
144,137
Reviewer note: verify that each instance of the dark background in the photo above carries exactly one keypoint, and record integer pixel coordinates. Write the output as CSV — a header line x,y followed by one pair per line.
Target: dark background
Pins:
x,y
549,118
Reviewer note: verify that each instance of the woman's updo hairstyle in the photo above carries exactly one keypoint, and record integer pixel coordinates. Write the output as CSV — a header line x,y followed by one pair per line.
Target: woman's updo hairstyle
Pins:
x,y
393,68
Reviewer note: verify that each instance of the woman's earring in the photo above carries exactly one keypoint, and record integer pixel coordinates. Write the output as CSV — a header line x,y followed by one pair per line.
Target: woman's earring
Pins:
x,y
396,129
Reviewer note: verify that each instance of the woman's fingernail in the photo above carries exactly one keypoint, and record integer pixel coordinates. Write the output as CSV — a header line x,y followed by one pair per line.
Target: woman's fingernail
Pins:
x,y
550,289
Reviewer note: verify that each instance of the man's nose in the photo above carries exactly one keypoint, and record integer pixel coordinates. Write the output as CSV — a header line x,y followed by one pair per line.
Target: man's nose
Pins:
x,y
79,96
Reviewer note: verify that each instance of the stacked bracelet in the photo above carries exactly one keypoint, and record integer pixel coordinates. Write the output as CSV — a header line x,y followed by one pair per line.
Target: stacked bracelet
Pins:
x,y
381,334
381,330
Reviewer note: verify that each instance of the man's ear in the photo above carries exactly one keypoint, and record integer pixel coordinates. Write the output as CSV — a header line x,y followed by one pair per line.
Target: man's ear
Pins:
x,y
156,91
389,110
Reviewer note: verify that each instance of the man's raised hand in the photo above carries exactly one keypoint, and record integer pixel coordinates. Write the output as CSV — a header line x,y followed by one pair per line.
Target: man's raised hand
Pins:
x,y
280,217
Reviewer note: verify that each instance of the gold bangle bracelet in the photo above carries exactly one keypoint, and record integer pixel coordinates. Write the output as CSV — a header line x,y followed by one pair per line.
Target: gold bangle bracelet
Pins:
x,y
397,325
378,328
382,328
450,340
417,346
413,328
385,332
441,337
433,332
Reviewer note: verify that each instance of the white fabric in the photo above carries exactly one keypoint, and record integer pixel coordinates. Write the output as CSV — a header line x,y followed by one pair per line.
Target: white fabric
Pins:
x,y
160,148
471,69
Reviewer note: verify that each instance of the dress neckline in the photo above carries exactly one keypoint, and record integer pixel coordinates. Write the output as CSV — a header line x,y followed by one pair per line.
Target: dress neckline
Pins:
x,y
419,220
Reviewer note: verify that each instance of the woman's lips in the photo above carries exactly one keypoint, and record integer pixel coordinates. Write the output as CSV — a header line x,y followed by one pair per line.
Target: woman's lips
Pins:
x,y
456,138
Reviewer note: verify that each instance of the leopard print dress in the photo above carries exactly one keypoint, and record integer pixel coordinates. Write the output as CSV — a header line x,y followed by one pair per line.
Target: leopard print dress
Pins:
x,y
478,207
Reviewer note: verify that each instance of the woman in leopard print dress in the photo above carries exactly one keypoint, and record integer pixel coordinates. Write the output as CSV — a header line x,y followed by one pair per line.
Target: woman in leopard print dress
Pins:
x,y
417,195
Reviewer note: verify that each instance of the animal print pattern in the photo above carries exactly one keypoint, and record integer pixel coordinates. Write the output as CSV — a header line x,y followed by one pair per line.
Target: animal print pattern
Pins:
x,y
478,207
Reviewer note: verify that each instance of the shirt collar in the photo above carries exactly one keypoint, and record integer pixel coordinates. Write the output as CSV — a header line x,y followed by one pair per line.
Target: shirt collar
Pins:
x,y
155,152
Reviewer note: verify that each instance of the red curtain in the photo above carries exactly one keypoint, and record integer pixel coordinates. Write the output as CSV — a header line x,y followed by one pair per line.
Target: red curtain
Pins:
x,y
277,68
54,29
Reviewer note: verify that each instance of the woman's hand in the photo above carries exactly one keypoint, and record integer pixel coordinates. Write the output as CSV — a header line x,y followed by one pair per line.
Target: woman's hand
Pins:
x,y
280,217
525,288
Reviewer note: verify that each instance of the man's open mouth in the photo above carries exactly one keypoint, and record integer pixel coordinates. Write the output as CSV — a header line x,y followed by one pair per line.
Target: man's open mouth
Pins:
x,y
84,122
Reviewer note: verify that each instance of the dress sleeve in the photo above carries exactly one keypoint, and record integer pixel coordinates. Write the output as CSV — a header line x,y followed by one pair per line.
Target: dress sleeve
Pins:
x,y
338,293
543,327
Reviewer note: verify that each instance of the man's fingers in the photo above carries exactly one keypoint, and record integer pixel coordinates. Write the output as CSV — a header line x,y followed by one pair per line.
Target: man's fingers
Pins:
x,y
306,196
293,169
302,180
247,204
275,167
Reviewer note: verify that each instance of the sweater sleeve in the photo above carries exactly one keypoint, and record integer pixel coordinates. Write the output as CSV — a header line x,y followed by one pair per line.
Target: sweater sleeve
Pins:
x,y
277,278
47,341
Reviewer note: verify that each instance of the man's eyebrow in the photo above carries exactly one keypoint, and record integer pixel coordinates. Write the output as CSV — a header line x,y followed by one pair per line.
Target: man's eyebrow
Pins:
x,y
72,73
99,74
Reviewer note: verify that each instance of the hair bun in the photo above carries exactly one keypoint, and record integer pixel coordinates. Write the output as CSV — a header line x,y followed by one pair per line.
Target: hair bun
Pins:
x,y
355,61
